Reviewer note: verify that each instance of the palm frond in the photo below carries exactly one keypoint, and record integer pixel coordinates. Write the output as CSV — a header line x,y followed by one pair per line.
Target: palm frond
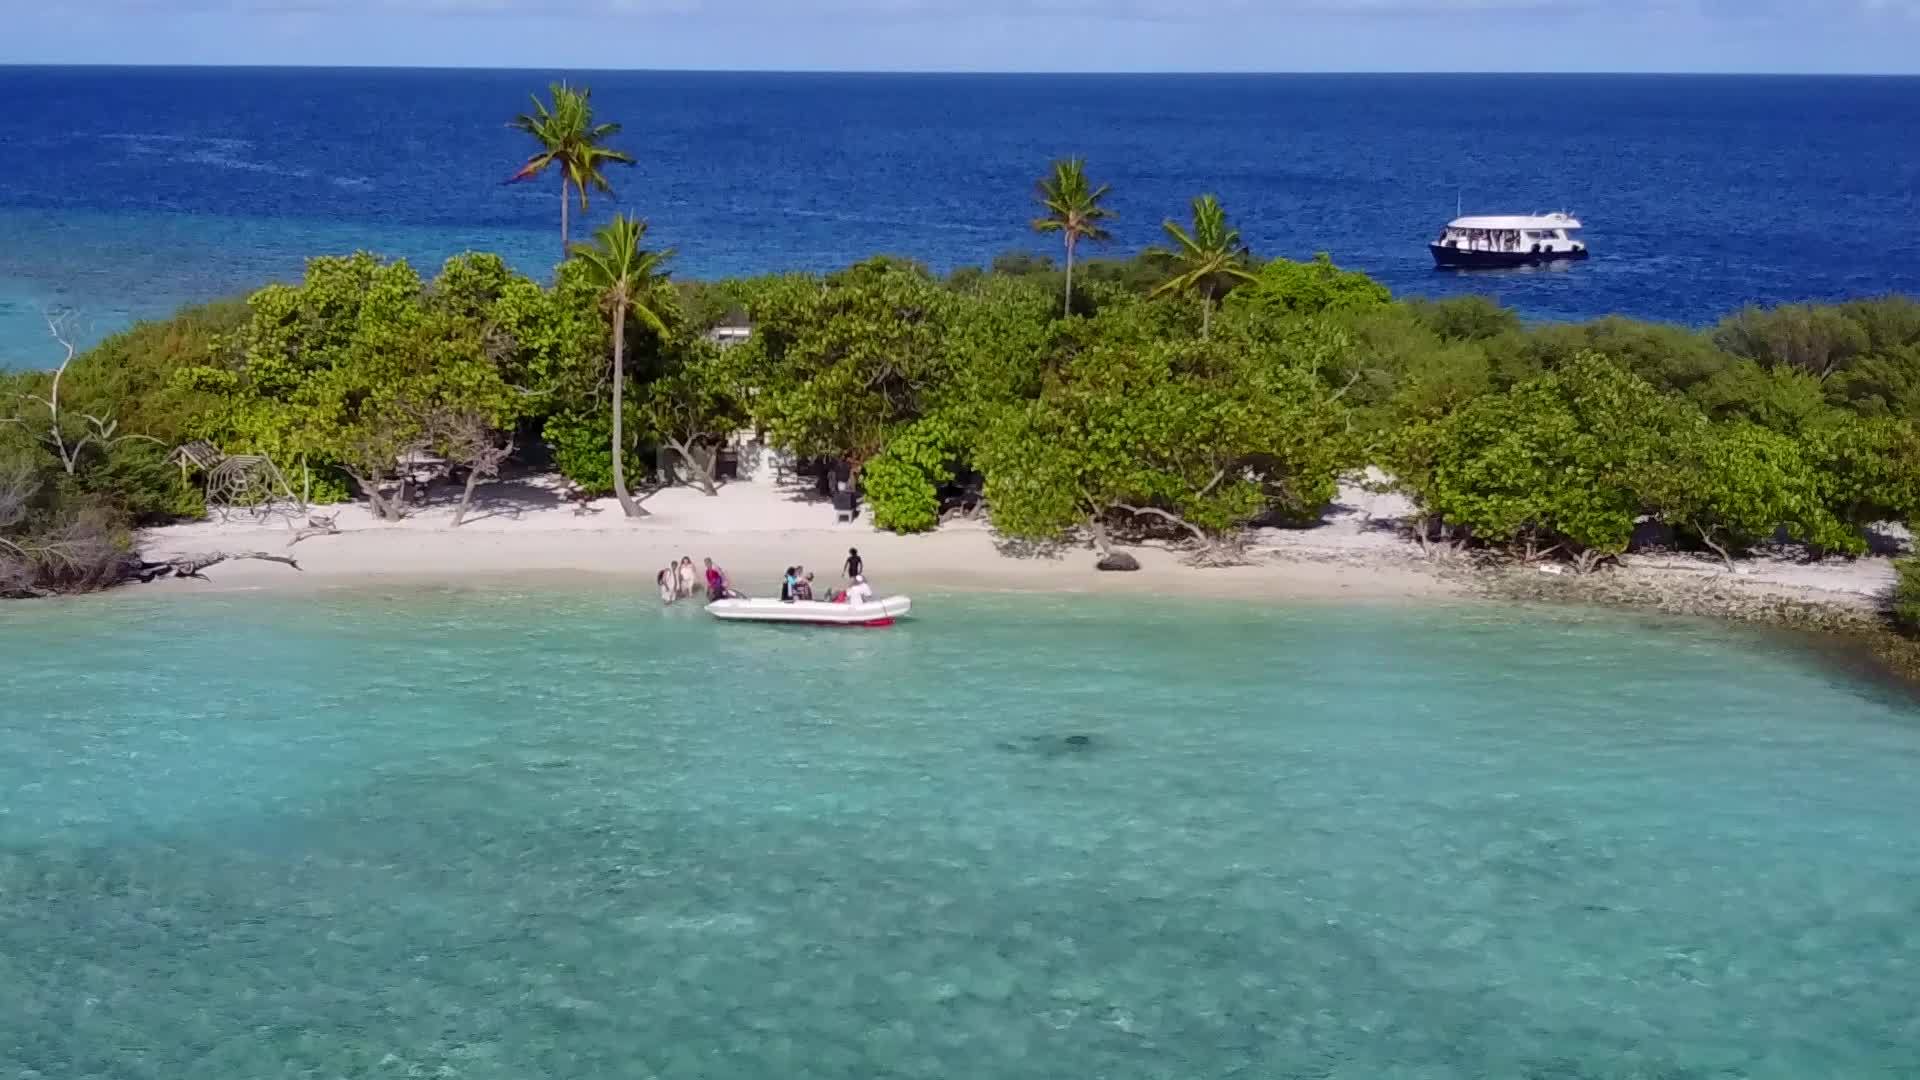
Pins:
x,y
1187,244
535,165
568,137
600,268
620,268
1209,254
1072,205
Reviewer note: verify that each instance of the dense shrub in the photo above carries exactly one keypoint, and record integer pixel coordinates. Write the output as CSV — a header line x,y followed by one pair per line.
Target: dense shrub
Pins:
x,y
1906,595
1287,288
134,376
1465,318
1557,463
903,483
1529,439
147,488
581,446
53,537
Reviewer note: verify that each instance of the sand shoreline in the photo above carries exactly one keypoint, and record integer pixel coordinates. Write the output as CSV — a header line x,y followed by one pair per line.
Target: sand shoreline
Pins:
x,y
524,533
627,557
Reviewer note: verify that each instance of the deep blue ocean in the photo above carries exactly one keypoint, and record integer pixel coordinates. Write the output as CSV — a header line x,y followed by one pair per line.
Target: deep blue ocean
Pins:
x,y
126,192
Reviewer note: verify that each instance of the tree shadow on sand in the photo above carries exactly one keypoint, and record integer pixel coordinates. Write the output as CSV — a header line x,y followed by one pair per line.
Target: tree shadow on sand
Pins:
x,y
510,498
1015,548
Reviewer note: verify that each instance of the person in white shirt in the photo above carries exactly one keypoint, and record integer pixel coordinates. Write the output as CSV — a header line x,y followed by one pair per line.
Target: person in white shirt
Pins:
x,y
859,592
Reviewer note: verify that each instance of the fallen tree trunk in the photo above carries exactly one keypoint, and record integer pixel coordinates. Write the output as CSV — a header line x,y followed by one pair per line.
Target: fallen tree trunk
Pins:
x,y
194,566
72,567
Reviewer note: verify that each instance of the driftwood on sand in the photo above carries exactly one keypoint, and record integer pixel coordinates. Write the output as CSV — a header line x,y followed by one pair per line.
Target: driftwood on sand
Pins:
x,y
195,566
317,525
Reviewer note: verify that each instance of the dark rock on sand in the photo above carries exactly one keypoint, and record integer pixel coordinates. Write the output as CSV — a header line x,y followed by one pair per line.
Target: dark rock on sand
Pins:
x,y
1118,560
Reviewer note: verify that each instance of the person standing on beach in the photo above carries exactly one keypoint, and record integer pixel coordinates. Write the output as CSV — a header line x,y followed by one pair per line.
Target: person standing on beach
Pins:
x,y
855,565
689,577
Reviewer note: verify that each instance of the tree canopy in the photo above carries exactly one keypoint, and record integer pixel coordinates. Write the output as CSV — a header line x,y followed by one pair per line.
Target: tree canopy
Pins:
x,y
1116,412
1208,260
1074,208
572,142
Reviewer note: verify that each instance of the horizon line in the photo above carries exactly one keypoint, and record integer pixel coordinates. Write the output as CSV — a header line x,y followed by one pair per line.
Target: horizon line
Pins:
x,y
981,72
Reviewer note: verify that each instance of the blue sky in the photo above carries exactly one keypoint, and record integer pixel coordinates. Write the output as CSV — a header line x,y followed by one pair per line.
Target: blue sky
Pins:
x,y
982,35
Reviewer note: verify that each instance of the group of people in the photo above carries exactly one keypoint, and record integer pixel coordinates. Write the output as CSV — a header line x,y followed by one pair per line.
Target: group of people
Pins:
x,y
681,580
797,583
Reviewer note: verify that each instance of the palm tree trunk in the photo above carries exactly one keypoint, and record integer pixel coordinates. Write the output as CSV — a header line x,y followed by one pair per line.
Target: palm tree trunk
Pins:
x,y
563,218
627,505
1069,308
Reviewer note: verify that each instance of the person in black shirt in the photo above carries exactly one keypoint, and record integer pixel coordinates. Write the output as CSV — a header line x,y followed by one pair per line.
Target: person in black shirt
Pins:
x,y
855,565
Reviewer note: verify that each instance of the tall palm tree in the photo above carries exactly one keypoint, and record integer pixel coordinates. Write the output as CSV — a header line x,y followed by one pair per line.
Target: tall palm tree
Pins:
x,y
570,139
1073,210
1209,257
624,273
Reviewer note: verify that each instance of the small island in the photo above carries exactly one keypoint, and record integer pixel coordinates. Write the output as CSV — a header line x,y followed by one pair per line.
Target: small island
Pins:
x,y
1234,422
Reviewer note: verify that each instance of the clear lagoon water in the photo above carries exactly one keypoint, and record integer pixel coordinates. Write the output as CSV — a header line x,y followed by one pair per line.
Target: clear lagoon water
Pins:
x,y
499,834
127,192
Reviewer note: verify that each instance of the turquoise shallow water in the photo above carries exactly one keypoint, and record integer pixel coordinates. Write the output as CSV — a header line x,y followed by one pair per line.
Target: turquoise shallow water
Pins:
x,y
560,834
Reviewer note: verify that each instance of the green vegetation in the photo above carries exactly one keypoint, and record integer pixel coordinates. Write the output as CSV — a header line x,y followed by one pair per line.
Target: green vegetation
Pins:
x,y
84,448
356,367
1073,210
1206,436
1906,596
1130,416
626,276
1192,391
1208,261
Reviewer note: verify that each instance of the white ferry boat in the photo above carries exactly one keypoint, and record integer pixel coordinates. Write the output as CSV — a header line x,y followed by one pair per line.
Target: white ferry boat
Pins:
x,y
1511,240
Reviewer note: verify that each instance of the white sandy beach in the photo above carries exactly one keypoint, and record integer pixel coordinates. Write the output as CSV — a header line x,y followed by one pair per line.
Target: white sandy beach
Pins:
x,y
523,529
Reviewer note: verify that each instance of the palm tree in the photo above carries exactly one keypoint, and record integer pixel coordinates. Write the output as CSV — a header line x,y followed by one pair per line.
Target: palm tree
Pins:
x,y
1207,258
569,138
624,273
1073,210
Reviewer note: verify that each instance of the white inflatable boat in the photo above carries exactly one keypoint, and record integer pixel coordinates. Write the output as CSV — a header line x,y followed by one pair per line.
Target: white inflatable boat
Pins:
x,y
820,612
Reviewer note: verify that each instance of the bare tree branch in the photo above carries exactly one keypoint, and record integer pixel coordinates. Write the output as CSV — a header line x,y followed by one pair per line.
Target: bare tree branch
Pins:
x,y
67,458
192,566
102,432
1166,515
317,525
469,438
18,486
1342,392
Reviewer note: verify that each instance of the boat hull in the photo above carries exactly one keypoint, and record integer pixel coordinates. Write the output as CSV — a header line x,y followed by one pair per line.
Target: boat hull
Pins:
x,y
812,612
1454,258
